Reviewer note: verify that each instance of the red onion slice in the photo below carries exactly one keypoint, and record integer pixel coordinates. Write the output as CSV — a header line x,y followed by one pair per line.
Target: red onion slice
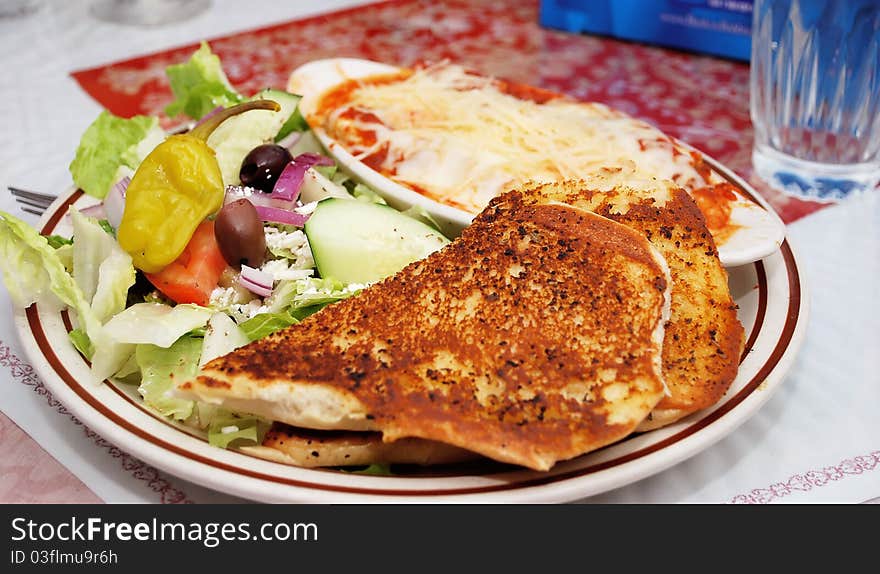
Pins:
x,y
114,203
314,158
96,211
258,198
275,215
256,281
254,288
290,181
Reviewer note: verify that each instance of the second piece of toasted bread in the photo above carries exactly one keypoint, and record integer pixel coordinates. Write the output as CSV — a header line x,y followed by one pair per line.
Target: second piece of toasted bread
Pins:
x,y
534,337
704,338
313,448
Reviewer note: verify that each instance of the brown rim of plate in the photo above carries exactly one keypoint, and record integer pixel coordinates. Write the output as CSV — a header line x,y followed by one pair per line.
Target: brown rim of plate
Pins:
x,y
773,359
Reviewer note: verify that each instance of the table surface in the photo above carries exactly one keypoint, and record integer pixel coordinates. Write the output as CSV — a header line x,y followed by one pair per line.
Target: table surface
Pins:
x,y
818,440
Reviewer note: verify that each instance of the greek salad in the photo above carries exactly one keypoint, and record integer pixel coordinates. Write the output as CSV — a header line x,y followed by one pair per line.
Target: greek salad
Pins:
x,y
205,240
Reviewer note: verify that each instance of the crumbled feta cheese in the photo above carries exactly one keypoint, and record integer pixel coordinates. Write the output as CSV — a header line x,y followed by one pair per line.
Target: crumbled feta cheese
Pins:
x,y
281,270
307,208
242,313
226,297
292,244
240,190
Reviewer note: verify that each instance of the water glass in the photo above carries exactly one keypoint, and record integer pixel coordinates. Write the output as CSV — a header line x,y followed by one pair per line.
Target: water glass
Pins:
x,y
815,95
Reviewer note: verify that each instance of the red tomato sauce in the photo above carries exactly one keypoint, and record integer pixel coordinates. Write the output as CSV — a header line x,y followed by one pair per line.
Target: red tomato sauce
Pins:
x,y
716,203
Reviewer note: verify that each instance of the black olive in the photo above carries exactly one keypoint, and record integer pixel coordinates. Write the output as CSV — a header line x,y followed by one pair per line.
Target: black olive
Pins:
x,y
239,233
263,165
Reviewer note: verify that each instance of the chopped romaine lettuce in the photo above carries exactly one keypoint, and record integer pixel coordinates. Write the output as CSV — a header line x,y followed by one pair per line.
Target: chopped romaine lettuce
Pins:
x,y
328,171
130,372
222,336
82,343
110,356
160,367
155,323
134,155
34,273
200,85
108,229
101,268
115,275
65,254
109,143
224,430
294,300
266,324
376,469
421,214
56,241
312,291
363,192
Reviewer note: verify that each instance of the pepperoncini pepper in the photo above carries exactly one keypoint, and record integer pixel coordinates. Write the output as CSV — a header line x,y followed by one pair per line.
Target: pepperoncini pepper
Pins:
x,y
173,190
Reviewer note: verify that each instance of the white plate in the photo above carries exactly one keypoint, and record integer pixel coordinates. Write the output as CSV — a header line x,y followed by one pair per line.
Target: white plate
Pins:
x,y
759,231
772,306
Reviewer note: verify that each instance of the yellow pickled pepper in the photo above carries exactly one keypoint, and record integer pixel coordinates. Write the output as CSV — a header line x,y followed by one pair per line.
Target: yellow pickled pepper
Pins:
x,y
173,190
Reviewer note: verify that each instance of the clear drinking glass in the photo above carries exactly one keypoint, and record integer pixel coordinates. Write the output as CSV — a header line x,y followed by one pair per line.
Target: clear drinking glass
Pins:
x,y
815,95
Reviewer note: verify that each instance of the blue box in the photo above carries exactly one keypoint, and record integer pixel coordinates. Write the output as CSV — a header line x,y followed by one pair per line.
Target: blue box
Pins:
x,y
716,27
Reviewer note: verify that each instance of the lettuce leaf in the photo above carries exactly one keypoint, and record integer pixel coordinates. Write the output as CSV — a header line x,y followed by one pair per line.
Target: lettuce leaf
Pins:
x,y
222,336
108,143
101,268
227,428
365,193
33,272
156,324
294,300
266,324
56,241
160,367
200,85
309,292
375,469
110,356
82,343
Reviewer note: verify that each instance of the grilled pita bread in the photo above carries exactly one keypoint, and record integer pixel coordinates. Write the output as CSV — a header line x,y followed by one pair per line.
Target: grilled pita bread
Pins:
x,y
311,448
534,337
704,338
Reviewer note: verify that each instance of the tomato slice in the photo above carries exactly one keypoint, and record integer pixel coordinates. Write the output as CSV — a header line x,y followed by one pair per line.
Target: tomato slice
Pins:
x,y
191,277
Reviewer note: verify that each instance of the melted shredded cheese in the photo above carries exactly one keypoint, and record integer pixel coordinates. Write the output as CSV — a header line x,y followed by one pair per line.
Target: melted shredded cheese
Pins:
x,y
460,139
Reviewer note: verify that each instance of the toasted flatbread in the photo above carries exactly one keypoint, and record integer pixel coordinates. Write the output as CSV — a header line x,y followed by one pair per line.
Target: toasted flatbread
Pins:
x,y
704,338
311,448
534,337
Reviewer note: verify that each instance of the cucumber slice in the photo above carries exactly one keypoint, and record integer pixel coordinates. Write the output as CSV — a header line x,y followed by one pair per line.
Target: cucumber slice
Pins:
x,y
290,107
358,242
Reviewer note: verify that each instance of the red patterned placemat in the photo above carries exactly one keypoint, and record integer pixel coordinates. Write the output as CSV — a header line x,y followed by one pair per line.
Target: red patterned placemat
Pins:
x,y
702,100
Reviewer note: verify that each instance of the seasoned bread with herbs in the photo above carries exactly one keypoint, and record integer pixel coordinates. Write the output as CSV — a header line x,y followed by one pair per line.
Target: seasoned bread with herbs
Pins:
x,y
534,337
704,338
313,448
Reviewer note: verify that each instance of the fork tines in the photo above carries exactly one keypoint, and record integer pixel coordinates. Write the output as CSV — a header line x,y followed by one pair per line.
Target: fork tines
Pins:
x,y
32,201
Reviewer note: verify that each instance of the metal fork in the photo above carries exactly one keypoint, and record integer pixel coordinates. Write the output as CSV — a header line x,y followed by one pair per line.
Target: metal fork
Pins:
x,y
32,201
